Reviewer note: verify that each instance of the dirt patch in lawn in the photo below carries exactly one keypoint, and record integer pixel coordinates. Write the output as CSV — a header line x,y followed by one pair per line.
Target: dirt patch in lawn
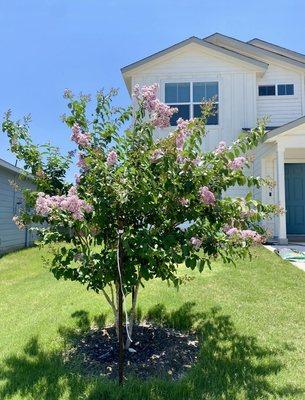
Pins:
x,y
155,352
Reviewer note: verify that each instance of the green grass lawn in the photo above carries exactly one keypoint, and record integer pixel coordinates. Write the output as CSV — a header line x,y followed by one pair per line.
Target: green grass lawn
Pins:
x,y
251,318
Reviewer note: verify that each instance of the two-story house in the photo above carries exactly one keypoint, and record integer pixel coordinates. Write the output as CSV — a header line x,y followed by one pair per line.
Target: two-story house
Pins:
x,y
249,80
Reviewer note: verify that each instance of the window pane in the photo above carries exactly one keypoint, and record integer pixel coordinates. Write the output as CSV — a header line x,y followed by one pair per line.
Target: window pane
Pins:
x,y
283,90
177,92
290,89
205,91
183,112
199,91
183,93
212,91
212,119
266,90
171,93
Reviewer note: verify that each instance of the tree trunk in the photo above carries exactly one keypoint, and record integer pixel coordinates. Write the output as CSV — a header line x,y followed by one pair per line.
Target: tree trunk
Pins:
x,y
120,308
132,316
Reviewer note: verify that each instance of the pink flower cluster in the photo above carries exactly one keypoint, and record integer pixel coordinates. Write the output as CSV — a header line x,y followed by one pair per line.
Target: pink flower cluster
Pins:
x,y
232,231
80,138
160,113
112,158
222,146
71,203
237,163
196,242
184,131
206,196
244,234
81,163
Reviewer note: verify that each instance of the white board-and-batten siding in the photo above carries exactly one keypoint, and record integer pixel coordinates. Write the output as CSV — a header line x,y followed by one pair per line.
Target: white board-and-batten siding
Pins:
x,y
11,237
281,109
237,101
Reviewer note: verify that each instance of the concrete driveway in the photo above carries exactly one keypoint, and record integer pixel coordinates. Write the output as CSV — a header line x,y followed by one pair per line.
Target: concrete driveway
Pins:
x,y
294,246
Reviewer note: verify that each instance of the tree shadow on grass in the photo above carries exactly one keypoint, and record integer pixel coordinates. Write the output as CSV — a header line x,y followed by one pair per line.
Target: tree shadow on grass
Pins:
x,y
229,366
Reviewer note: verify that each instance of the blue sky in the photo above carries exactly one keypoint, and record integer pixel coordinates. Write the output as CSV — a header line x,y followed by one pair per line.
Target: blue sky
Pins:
x,y
49,45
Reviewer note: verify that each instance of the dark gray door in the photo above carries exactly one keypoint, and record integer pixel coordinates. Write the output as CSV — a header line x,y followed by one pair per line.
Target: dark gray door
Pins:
x,y
295,198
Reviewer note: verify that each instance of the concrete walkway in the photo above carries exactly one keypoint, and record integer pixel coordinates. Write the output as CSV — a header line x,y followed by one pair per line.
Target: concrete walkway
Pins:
x,y
294,246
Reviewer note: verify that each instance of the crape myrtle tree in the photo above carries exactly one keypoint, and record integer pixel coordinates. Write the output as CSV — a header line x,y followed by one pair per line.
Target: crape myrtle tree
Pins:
x,y
140,207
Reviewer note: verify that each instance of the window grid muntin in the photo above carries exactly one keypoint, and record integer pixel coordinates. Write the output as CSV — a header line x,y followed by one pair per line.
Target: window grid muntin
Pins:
x,y
276,89
266,87
191,103
285,85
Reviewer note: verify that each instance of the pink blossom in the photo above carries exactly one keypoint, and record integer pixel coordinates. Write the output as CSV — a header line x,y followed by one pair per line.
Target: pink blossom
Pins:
x,y
184,132
196,161
232,231
237,163
146,94
156,155
71,203
160,113
18,222
112,158
196,242
184,202
206,196
244,234
181,159
81,163
183,124
252,235
180,139
222,146
80,138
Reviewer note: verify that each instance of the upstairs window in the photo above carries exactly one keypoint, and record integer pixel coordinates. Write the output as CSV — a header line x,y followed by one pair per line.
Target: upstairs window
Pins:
x,y
266,90
204,91
188,97
285,90
178,95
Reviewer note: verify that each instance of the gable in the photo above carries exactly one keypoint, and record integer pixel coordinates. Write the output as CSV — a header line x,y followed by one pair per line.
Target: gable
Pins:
x,y
188,53
190,58
251,50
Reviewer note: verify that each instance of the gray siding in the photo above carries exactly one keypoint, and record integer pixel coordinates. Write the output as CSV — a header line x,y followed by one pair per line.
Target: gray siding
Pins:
x,y
11,237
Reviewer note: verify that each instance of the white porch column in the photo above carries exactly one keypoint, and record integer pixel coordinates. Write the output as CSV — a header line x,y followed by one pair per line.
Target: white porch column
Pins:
x,y
281,192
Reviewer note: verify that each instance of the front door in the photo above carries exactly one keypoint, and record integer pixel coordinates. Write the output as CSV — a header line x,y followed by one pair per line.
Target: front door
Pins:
x,y
295,198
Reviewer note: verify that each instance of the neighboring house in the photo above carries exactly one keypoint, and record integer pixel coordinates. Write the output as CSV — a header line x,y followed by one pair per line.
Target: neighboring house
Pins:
x,y
250,80
11,201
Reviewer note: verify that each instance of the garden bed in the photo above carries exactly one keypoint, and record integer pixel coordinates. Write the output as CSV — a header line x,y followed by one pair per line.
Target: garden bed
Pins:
x,y
155,351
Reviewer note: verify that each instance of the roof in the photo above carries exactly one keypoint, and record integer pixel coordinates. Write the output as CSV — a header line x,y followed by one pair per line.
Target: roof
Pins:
x,y
285,128
261,65
10,167
253,50
277,49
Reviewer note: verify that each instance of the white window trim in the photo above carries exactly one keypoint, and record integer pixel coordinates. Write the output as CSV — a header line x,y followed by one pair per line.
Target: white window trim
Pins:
x,y
276,95
285,95
191,103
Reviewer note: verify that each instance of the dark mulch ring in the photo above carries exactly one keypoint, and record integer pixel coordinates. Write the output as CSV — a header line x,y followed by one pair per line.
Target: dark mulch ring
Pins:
x,y
159,352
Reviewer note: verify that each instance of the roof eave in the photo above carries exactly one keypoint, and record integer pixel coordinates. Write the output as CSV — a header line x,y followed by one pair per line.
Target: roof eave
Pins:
x,y
12,168
260,65
273,135
259,51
